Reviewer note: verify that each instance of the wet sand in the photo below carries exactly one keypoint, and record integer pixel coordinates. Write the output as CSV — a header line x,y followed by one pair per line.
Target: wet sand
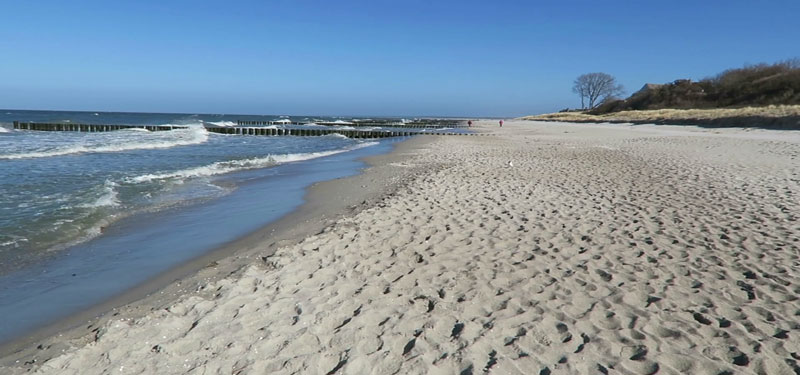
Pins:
x,y
548,248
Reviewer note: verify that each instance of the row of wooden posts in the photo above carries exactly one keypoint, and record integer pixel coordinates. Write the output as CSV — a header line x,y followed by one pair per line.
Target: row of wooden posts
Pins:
x,y
433,124
318,132
269,131
45,126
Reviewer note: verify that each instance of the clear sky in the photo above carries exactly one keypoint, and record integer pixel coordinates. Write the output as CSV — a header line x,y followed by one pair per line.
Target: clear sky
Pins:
x,y
457,58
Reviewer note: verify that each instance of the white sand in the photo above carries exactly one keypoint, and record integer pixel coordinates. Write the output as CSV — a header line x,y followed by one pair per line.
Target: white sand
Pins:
x,y
549,248
668,114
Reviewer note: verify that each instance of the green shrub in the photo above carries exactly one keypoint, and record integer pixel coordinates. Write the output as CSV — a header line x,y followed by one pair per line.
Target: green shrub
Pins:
x,y
754,85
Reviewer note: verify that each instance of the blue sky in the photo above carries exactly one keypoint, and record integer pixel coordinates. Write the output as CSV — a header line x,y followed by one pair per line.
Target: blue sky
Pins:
x,y
451,58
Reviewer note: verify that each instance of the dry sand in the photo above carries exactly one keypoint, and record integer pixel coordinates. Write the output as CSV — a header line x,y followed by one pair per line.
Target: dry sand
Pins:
x,y
777,117
547,249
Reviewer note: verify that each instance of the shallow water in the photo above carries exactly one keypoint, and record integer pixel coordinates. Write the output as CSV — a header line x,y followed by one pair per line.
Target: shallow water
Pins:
x,y
58,189
85,216
141,246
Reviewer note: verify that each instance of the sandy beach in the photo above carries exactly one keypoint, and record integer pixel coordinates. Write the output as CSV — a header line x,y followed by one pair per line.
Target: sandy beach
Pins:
x,y
544,248
786,117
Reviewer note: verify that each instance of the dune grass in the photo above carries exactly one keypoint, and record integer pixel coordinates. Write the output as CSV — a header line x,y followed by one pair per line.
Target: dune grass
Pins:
x,y
681,115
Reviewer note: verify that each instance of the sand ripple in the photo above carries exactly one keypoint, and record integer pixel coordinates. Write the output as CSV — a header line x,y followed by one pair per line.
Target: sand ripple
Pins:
x,y
549,249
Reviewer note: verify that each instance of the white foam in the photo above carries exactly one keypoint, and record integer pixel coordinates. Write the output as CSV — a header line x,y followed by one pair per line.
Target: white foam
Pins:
x,y
337,135
4,130
108,199
14,242
190,136
223,123
223,167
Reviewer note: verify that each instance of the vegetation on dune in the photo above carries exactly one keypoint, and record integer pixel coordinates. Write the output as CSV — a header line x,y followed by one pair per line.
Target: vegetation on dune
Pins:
x,y
660,115
763,95
755,85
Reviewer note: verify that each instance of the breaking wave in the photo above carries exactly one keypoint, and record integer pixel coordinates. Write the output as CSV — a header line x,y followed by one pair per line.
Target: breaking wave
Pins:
x,y
108,199
223,123
223,167
181,137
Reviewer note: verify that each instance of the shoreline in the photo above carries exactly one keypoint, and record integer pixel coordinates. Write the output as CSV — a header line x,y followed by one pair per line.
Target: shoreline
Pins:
x,y
229,259
547,248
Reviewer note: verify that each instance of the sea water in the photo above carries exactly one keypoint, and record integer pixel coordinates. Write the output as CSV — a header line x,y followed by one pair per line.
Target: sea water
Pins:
x,y
61,188
86,215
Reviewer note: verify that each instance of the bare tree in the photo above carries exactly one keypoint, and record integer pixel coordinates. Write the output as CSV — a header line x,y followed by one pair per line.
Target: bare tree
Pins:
x,y
596,88
793,63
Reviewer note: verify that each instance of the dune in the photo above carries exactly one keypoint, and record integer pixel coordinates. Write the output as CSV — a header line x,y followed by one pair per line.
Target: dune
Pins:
x,y
773,116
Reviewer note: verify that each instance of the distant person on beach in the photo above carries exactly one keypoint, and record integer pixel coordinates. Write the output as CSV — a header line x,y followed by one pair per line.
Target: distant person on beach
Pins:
x,y
469,123
501,123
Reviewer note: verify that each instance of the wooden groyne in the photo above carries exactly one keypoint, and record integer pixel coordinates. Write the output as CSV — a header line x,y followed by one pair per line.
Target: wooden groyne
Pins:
x,y
70,127
232,130
311,132
420,124
267,123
